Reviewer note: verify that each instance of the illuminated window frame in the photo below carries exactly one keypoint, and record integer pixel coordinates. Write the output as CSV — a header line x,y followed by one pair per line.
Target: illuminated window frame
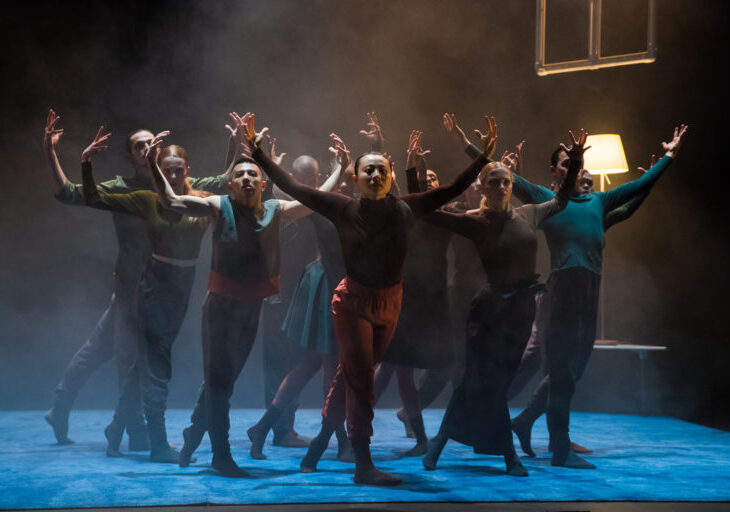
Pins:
x,y
595,60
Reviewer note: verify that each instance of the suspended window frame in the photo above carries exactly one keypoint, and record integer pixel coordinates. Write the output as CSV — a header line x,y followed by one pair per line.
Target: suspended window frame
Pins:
x,y
594,60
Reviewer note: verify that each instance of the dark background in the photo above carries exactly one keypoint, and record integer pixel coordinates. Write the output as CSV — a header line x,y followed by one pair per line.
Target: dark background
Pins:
x,y
311,67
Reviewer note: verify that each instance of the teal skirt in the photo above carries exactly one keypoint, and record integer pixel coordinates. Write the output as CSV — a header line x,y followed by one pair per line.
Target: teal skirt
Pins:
x,y
308,321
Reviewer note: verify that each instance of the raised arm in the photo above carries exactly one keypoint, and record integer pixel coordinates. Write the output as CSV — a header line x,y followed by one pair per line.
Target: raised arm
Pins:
x,y
575,164
218,183
425,202
416,165
192,206
627,209
464,224
235,141
295,209
52,134
374,134
616,197
130,202
326,203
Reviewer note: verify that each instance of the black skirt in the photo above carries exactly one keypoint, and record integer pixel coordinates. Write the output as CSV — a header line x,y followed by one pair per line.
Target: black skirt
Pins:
x,y
498,328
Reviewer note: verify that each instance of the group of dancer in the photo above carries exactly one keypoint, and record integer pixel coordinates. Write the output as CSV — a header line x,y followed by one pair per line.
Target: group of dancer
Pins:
x,y
378,273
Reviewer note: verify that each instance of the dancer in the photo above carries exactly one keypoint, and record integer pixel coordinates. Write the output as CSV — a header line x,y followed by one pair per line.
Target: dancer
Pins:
x,y
115,334
308,324
575,239
244,270
534,358
501,316
309,320
422,338
373,236
163,290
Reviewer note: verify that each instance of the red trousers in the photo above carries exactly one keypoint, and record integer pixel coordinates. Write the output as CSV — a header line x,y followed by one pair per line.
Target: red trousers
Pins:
x,y
364,321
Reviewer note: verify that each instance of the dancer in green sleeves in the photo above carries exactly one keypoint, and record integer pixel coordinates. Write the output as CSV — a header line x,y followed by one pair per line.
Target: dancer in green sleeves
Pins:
x,y
115,333
163,291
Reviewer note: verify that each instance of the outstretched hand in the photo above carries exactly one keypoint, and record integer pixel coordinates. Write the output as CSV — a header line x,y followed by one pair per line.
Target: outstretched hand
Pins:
x,y
98,145
513,159
52,134
452,126
340,151
236,132
416,154
252,138
576,149
652,161
374,133
277,159
152,149
672,147
489,139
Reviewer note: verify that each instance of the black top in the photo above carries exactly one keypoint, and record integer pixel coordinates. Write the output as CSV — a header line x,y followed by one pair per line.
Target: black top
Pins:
x,y
425,263
330,253
251,256
372,233
507,241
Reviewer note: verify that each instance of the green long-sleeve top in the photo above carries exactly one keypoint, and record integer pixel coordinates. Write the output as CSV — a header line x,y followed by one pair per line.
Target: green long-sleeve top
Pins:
x,y
171,235
131,231
575,235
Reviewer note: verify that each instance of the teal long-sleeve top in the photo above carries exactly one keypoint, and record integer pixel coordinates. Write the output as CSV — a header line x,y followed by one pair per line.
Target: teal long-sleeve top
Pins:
x,y
575,235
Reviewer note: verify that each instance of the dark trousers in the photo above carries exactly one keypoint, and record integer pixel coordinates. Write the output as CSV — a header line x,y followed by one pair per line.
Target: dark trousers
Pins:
x,y
163,296
570,337
280,356
364,321
115,336
229,332
433,381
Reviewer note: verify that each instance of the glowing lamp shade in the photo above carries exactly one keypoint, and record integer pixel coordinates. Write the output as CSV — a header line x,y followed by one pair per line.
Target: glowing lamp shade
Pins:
x,y
606,154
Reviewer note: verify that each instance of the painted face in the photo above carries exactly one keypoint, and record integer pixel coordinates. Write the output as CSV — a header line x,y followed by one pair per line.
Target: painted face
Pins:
x,y
137,144
432,180
497,188
247,184
560,170
176,171
374,176
585,183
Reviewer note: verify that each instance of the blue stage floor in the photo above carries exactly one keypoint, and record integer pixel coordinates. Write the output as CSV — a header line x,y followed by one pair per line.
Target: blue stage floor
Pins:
x,y
638,458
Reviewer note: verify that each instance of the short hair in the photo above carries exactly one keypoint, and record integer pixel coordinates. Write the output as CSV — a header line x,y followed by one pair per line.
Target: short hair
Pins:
x,y
556,154
373,152
246,160
132,134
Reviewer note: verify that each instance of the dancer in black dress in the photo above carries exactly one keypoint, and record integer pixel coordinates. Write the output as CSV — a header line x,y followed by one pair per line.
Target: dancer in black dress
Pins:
x,y
500,318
